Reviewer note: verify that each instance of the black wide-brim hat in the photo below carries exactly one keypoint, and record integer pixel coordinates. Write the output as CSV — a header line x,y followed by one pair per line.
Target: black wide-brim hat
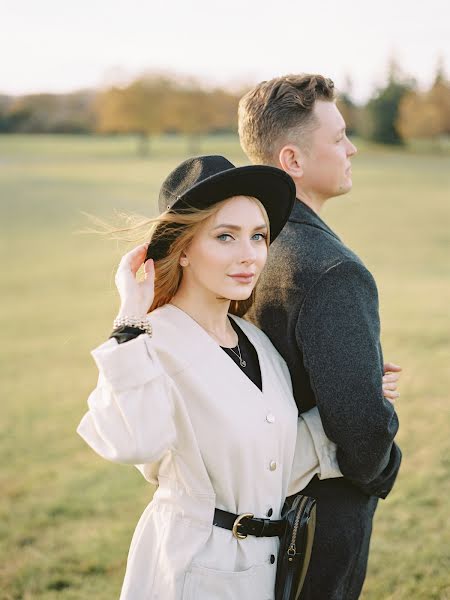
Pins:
x,y
205,180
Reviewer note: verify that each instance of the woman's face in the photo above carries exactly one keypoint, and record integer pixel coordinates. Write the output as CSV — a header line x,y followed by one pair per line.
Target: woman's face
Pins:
x,y
228,253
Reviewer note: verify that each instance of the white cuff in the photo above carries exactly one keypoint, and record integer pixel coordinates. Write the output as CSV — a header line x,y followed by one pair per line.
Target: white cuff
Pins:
x,y
127,365
325,448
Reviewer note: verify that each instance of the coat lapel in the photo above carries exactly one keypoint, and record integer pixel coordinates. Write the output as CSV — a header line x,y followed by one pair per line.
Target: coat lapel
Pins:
x,y
212,350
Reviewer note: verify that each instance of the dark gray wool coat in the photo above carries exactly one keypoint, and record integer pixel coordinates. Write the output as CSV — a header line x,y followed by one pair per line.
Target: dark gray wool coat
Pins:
x,y
319,305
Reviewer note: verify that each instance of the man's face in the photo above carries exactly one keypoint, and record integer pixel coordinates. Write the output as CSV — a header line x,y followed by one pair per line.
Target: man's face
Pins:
x,y
326,163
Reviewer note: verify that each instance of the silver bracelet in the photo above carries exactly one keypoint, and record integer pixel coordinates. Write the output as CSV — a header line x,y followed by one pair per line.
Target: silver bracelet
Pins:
x,y
138,322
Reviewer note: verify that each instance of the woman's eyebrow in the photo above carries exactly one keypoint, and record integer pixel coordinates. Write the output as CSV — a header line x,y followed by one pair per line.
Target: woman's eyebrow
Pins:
x,y
237,227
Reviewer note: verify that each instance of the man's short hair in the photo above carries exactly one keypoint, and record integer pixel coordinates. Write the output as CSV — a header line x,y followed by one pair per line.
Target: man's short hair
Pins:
x,y
280,111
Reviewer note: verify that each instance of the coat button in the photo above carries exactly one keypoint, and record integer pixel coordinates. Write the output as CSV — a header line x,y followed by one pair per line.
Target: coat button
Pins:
x,y
270,418
269,512
273,465
272,559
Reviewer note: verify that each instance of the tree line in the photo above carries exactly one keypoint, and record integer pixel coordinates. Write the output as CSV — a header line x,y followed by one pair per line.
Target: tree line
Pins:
x,y
397,113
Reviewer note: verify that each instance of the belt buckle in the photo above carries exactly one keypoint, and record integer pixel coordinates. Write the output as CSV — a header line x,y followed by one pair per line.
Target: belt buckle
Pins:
x,y
236,524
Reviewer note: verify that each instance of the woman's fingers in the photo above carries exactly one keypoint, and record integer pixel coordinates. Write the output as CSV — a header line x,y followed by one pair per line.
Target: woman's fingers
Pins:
x,y
391,396
136,257
149,268
390,386
149,273
132,261
390,377
135,296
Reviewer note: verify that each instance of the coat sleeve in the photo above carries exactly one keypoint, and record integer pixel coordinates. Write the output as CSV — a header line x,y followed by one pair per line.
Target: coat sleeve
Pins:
x,y
131,412
338,331
314,453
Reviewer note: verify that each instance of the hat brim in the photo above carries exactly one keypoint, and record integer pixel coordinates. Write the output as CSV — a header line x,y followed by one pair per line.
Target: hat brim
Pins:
x,y
273,187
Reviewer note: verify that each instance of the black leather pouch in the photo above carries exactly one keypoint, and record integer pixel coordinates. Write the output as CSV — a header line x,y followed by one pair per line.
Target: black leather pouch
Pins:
x,y
295,546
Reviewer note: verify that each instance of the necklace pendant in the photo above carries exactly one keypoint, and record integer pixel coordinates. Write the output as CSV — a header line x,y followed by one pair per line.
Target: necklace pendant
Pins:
x,y
243,363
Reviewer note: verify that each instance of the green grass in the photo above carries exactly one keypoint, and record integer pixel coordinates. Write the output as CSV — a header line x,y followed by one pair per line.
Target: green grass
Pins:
x,y
66,516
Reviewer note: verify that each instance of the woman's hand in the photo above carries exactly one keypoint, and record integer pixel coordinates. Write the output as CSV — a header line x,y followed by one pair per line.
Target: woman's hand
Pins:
x,y
390,381
136,296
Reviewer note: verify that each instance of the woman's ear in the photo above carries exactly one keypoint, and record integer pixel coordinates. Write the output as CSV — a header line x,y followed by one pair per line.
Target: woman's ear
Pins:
x,y
184,261
291,160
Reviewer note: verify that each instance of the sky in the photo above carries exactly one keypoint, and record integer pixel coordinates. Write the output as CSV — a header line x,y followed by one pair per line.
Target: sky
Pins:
x,y
50,46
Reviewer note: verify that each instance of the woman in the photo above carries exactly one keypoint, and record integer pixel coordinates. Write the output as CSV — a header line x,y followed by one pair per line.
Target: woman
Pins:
x,y
220,437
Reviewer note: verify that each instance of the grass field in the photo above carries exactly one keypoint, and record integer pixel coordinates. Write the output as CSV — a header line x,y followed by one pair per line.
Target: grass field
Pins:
x,y
66,516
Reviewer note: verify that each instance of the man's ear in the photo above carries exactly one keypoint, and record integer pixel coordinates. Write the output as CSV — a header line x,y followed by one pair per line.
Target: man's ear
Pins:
x,y
291,160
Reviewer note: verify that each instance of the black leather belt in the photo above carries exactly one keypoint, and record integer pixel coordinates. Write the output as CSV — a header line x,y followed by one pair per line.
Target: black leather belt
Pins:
x,y
245,524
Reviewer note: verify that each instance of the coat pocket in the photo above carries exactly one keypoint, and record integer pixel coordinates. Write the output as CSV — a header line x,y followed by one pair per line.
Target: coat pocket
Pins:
x,y
256,583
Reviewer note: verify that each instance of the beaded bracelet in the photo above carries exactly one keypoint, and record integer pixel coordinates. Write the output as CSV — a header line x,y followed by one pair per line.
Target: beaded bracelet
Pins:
x,y
138,322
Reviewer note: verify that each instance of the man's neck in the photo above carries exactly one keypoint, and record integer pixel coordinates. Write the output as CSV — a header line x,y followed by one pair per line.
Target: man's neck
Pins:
x,y
314,204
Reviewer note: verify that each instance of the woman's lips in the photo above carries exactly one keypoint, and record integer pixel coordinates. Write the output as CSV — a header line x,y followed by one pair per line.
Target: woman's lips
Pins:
x,y
243,277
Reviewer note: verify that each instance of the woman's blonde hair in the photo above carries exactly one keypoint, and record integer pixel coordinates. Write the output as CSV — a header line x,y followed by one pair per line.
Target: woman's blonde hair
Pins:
x,y
181,227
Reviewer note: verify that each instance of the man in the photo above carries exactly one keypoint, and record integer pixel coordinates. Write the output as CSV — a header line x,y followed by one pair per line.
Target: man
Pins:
x,y
319,305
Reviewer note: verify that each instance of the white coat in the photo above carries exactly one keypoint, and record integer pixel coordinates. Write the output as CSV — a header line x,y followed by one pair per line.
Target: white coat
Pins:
x,y
176,406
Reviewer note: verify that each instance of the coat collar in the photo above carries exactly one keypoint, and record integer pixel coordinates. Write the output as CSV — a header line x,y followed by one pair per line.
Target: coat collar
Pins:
x,y
301,213
200,338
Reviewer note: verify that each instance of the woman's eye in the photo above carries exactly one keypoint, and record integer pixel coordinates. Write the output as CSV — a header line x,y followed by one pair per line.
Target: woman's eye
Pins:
x,y
260,236
223,237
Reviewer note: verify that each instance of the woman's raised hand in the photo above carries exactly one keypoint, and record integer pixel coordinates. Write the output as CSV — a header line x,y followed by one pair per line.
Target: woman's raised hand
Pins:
x,y
390,381
136,297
